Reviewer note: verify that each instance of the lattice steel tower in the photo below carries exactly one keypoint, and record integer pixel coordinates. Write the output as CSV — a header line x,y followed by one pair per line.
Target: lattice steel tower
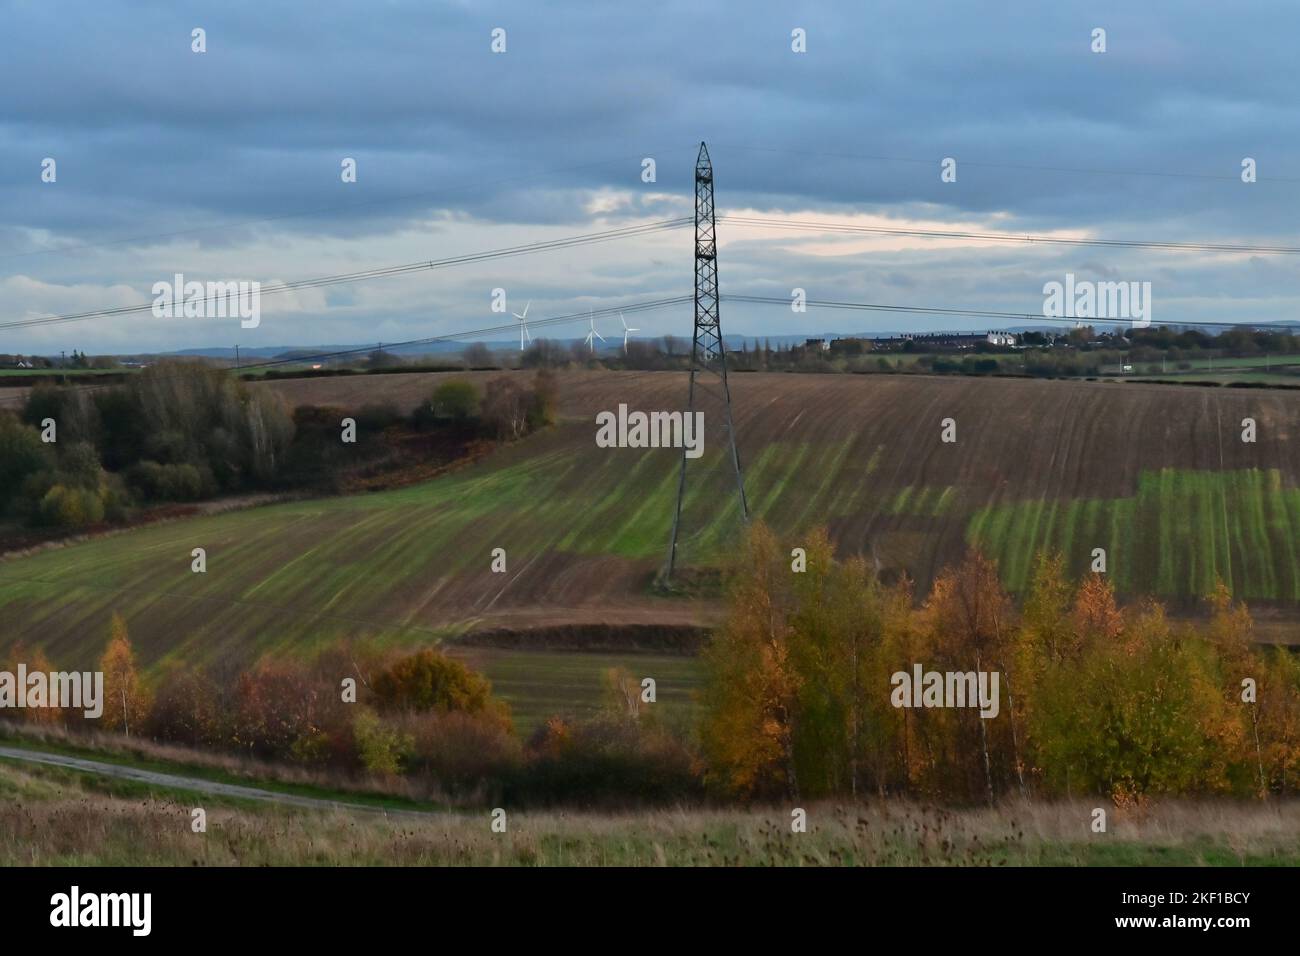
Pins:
x,y
708,354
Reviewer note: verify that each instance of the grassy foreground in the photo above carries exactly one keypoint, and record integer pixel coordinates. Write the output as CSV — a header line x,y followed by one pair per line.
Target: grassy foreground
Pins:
x,y
57,818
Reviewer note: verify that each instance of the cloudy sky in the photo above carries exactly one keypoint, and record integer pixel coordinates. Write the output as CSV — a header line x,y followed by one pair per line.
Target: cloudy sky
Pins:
x,y
226,165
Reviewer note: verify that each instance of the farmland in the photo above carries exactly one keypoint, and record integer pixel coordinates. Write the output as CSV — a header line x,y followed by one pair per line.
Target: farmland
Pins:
x,y
1158,476
538,684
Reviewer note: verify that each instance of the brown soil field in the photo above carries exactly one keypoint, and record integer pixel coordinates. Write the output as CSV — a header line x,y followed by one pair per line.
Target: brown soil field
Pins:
x,y
1157,475
1017,439
862,441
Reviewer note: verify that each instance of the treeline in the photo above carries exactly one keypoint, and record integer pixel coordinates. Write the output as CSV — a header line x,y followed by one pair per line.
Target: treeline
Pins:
x,y
1078,352
366,711
803,698
175,432
1237,341
184,432
1093,699
78,360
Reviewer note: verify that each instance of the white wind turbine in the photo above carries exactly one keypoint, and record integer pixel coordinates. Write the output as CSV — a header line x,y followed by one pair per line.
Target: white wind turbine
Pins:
x,y
627,330
523,325
591,344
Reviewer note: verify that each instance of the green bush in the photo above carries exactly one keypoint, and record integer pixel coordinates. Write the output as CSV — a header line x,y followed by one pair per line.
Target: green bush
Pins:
x,y
64,507
166,482
456,400
22,454
381,748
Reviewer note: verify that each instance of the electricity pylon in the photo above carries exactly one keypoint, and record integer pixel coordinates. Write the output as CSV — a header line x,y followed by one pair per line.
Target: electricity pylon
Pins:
x,y
708,354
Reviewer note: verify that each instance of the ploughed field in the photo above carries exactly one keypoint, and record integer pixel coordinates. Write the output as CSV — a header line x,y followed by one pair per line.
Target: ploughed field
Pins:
x,y
1158,476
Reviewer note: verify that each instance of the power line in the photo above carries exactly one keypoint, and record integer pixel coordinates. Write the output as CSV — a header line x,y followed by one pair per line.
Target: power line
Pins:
x,y
815,226
667,224
648,305
569,319
320,210
608,235
666,302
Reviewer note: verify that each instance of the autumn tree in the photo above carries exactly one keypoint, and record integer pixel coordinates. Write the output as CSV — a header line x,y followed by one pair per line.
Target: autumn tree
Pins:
x,y
126,700
797,692
1096,615
1276,721
1135,719
970,619
430,681
836,621
750,686
1045,618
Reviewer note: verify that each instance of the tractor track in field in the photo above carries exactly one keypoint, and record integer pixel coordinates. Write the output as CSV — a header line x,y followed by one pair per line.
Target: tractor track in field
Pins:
x,y
1037,464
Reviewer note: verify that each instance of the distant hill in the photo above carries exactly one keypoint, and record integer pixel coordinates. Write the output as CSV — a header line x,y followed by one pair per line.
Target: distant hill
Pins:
x,y
734,342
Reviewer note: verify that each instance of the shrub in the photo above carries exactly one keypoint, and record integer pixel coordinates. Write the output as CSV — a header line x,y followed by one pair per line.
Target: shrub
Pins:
x,y
511,410
373,419
64,507
606,759
545,400
167,482
275,706
460,752
456,400
79,466
44,401
188,709
381,748
505,408
22,454
431,681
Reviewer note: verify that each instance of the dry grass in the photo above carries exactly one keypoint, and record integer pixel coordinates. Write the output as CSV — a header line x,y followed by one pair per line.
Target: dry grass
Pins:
x,y
54,818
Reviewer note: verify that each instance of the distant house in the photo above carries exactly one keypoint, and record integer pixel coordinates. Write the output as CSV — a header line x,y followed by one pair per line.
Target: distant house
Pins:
x,y
1001,338
23,364
941,341
820,344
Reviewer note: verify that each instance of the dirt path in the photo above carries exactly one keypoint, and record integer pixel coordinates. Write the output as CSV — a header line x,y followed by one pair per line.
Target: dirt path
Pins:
x,y
199,785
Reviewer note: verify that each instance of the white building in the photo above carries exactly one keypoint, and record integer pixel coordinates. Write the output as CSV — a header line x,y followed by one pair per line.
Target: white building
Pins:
x,y
1001,338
